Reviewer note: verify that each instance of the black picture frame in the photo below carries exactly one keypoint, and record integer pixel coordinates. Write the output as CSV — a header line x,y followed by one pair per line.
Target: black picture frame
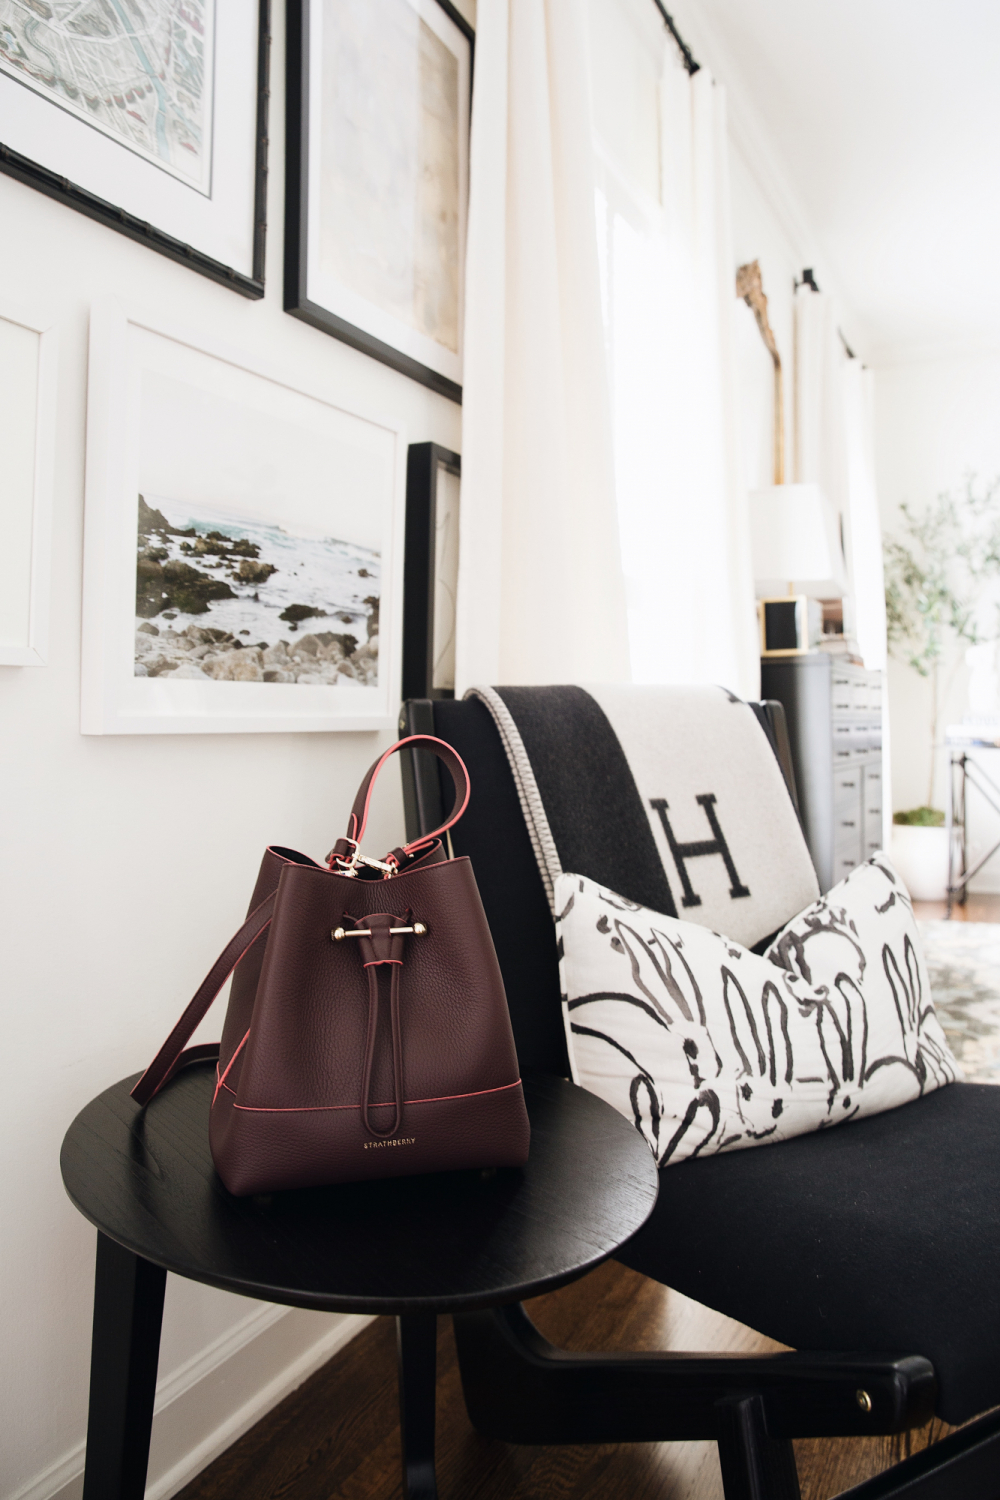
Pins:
x,y
423,464
297,301
34,174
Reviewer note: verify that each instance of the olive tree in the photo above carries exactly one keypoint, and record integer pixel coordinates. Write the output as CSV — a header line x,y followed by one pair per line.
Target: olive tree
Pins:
x,y
942,584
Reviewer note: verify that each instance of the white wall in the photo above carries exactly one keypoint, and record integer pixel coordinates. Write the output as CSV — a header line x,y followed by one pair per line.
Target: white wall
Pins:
x,y
126,863
935,422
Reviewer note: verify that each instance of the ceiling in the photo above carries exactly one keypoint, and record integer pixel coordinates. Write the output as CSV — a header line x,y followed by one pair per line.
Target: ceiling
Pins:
x,y
883,119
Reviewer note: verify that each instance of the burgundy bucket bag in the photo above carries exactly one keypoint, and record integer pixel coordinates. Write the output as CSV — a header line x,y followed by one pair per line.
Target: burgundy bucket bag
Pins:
x,y
367,1033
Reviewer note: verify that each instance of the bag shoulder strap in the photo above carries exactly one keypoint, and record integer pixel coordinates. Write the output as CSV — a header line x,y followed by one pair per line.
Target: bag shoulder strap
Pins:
x,y
344,850
171,1056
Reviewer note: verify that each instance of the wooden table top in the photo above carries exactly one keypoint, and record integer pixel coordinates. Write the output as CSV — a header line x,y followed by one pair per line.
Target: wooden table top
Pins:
x,y
449,1242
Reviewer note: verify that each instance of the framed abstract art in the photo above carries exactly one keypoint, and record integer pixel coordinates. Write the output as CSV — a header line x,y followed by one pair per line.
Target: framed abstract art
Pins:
x,y
378,101
149,116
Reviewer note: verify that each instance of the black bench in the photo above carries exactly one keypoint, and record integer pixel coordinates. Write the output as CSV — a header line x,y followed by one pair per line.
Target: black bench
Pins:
x,y
870,1250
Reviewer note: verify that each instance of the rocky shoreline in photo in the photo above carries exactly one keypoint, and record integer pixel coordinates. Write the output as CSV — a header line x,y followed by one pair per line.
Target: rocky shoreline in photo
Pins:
x,y
186,576
199,653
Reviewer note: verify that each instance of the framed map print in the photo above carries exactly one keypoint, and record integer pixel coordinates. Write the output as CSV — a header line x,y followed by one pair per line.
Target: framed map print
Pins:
x,y
243,543
376,190
147,115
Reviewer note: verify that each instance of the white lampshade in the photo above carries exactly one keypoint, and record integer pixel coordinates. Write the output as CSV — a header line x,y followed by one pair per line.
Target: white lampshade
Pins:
x,y
795,540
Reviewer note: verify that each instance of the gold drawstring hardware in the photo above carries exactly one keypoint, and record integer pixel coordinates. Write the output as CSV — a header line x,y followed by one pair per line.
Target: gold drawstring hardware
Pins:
x,y
349,867
339,933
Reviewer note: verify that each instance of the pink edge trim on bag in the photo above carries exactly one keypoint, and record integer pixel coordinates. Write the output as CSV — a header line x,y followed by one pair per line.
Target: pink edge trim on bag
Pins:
x,y
307,1109
229,1064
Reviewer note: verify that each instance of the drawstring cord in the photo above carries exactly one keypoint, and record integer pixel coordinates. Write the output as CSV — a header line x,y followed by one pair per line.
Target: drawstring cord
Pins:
x,y
381,945
397,1049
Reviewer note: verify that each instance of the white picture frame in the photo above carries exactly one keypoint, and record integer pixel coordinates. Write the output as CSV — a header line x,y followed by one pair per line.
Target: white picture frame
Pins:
x,y
201,430
28,373
172,156
377,179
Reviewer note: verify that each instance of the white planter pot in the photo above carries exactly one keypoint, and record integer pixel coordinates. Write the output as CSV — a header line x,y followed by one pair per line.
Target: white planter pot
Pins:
x,y
921,857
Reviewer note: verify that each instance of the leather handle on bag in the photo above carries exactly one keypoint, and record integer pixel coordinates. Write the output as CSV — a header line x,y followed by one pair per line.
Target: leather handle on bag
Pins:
x,y
358,820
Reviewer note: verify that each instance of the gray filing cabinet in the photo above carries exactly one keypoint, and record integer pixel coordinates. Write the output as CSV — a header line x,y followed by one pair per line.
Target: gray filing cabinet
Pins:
x,y
834,713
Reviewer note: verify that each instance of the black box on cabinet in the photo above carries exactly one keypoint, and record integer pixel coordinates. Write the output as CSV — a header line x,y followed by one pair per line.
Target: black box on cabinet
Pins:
x,y
789,626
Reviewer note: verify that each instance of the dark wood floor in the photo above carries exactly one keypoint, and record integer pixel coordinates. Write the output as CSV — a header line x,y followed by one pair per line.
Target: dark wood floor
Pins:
x,y
338,1434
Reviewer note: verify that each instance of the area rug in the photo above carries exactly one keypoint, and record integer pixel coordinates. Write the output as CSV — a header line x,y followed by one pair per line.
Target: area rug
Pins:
x,y
964,963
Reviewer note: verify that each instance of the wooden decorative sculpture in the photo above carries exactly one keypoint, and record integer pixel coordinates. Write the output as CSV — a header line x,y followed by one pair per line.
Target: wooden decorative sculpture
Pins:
x,y
750,287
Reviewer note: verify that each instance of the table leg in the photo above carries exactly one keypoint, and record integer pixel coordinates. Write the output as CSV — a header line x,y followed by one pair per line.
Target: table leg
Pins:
x,y
416,1343
124,1351
754,1465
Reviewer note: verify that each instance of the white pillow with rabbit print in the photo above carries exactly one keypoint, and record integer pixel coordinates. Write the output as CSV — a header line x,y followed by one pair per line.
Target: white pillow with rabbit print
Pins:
x,y
708,1047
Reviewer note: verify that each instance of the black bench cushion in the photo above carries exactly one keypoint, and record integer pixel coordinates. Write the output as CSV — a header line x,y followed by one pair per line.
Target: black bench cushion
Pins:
x,y
878,1236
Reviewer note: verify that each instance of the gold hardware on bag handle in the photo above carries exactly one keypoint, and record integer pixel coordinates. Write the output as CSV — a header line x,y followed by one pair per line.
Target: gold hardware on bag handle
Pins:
x,y
339,933
373,864
350,866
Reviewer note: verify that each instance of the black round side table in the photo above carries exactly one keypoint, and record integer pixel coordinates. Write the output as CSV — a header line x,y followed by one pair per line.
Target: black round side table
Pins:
x,y
411,1246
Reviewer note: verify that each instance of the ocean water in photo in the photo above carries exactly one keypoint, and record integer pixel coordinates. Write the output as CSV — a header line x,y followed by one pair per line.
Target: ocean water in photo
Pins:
x,y
218,595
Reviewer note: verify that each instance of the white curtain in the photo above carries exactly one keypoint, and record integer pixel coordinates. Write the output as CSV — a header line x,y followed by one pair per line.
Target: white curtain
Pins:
x,y
820,442
670,305
540,590
755,384
834,448
865,523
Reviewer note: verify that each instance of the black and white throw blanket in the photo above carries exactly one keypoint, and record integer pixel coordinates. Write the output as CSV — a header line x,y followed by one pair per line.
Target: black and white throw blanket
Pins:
x,y
671,796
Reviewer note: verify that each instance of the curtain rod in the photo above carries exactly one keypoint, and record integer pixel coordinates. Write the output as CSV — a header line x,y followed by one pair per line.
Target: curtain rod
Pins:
x,y
686,52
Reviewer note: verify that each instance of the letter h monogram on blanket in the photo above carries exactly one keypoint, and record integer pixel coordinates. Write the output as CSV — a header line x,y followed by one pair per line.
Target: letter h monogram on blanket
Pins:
x,y
695,850
612,784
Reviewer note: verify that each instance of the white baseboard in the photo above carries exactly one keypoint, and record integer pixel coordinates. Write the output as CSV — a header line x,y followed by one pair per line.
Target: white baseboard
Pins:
x,y
212,1399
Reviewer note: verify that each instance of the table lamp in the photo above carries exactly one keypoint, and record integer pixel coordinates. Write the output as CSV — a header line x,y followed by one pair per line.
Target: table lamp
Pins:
x,y
798,560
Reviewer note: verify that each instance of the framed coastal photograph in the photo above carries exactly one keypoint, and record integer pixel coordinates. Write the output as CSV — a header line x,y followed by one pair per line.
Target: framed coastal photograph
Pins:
x,y
376,191
243,544
27,449
149,116
430,570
